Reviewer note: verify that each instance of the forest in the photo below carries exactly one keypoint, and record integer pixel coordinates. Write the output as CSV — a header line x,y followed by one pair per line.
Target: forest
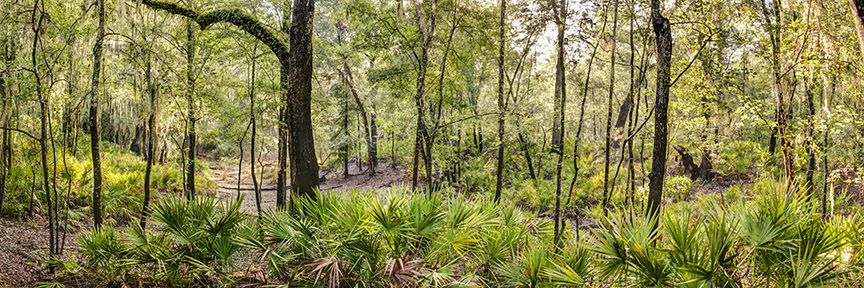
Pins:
x,y
432,143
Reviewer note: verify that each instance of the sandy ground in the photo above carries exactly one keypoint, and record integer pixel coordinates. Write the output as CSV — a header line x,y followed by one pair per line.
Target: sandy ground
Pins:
x,y
226,181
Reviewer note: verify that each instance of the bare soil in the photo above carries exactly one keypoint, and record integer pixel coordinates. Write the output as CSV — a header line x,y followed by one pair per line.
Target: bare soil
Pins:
x,y
225,176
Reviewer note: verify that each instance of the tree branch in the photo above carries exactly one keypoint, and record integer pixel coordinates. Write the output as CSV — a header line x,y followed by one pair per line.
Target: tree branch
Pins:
x,y
22,132
257,29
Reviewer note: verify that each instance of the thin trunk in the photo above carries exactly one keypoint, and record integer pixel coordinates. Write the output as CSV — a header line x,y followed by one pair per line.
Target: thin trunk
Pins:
x,y
240,162
192,110
827,97
608,147
151,139
499,171
663,35
348,78
423,141
43,108
3,116
582,107
811,134
631,172
345,150
528,160
560,108
254,131
777,84
282,141
95,125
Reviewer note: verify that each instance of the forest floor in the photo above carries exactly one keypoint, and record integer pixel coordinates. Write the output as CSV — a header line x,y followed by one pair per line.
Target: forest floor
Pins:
x,y
23,244
225,177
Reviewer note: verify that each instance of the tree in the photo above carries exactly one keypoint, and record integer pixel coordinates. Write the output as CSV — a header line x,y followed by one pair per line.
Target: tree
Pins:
x,y
560,10
499,171
297,64
423,138
192,110
95,125
663,35
608,146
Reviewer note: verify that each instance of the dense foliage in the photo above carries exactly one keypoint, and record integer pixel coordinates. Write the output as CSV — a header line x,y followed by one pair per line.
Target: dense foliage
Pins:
x,y
396,239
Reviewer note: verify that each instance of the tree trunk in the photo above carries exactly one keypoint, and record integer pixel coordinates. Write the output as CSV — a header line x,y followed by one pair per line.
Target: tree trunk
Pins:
x,y
527,153
192,110
502,37
348,78
582,107
254,131
607,148
423,138
151,139
282,141
560,108
5,96
663,35
811,134
301,151
95,125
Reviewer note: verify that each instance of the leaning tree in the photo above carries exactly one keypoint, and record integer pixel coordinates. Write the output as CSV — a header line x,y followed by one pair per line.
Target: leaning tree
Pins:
x,y
297,63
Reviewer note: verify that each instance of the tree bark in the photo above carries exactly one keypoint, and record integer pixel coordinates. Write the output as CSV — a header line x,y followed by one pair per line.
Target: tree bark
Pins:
x,y
301,151
423,141
348,78
560,108
663,35
254,131
809,142
607,148
191,117
282,141
502,37
151,139
95,125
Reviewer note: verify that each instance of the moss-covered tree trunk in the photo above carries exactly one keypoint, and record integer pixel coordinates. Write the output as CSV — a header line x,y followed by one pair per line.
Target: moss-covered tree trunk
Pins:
x,y
191,117
560,108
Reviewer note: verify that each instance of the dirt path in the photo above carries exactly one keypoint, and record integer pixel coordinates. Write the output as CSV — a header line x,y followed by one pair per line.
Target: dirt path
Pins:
x,y
225,177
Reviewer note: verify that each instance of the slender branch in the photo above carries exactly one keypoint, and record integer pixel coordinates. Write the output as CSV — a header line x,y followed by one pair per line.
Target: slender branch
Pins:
x,y
37,139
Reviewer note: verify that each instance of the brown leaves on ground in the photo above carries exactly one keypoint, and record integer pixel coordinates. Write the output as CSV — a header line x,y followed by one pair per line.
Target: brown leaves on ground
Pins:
x,y
401,273
22,244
